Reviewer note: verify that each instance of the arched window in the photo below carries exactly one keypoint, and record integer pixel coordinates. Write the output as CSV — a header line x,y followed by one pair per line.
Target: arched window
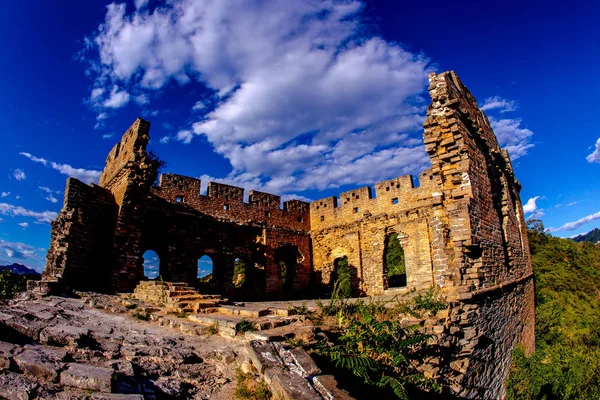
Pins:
x,y
394,263
151,264
205,268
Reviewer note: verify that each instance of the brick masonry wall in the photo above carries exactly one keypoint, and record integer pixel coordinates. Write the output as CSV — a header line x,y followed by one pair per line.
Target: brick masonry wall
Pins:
x,y
483,264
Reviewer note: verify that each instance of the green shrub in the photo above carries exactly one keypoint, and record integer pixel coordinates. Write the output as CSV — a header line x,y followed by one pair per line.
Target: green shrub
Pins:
x,y
141,315
566,363
11,283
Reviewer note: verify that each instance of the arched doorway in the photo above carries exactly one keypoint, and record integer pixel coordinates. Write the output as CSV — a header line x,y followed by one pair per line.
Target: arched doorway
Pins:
x,y
341,278
151,264
240,267
288,257
394,263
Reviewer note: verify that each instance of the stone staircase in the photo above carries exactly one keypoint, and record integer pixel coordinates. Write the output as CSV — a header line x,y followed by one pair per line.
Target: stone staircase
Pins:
x,y
175,296
174,300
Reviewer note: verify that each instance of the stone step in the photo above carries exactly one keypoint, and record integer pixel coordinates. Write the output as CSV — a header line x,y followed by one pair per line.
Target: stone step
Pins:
x,y
260,324
243,312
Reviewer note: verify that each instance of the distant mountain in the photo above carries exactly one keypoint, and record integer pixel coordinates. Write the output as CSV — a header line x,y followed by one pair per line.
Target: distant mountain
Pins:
x,y
592,236
19,269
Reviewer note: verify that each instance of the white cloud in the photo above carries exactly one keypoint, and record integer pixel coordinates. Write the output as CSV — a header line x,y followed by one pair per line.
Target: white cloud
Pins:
x,y
511,136
45,189
198,106
108,135
34,158
23,253
185,135
19,174
23,225
595,156
302,97
84,175
531,205
117,98
4,194
100,120
165,139
140,3
497,102
52,199
142,99
572,203
96,94
40,216
569,226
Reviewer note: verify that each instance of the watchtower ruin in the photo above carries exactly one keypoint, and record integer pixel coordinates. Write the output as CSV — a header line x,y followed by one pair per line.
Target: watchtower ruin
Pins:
x,y
461,229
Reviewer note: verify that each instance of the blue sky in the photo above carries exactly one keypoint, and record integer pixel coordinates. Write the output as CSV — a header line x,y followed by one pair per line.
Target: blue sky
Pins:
x,y
305,99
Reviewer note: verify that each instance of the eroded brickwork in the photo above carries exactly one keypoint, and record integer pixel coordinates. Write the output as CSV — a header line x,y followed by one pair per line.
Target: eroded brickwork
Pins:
x,y
461,228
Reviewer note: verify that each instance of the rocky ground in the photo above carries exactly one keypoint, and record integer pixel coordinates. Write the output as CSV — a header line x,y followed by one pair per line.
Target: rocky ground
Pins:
x,y
73,348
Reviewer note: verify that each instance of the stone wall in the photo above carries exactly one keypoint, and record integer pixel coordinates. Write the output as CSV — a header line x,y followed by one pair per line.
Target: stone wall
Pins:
x,y
82,237
358,227
483,265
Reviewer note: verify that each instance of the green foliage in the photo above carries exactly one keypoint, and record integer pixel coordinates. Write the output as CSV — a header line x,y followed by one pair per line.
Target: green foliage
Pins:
x,y
299,310
342,286
380,353
394,256
247,387
11,283
130,306
239,273
566,363
244,326
141,315
430,301
156,165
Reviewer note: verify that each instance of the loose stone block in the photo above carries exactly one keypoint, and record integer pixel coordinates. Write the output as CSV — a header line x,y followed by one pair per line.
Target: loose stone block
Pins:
x,y
87,377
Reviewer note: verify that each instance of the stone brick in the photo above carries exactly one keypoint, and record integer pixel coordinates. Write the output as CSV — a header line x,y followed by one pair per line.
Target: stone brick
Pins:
x,y
87,377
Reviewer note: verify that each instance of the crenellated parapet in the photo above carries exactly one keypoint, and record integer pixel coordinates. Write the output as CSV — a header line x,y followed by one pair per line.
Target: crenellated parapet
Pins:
x,y
226,202
390,197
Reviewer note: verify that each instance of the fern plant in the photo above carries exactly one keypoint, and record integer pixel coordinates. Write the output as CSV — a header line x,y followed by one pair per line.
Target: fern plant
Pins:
x,y
380,353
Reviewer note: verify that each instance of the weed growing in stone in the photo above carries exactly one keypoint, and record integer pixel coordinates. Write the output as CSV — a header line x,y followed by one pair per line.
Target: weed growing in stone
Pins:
x,y
212,329
248,387
244,326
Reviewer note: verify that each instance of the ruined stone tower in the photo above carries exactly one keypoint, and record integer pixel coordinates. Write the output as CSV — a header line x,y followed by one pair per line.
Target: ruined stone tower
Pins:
x,y
461,229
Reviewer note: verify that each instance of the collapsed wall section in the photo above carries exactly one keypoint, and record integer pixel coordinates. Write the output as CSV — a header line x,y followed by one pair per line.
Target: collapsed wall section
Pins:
x,y
81,244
